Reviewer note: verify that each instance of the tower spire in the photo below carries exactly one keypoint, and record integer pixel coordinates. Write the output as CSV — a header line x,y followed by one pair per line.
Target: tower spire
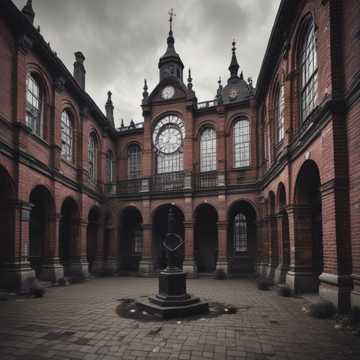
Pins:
x,y
28,11
234,66
171,39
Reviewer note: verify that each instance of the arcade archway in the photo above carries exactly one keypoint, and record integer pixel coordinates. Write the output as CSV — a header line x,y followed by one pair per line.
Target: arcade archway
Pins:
x,y
130,239
242,238
206,238
160,228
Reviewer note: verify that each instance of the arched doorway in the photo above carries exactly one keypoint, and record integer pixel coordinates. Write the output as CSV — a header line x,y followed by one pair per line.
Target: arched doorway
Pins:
x,y
283,235
242,238
68,232
309,224
7,217
92,236
40,234
160,228
130,239
206,238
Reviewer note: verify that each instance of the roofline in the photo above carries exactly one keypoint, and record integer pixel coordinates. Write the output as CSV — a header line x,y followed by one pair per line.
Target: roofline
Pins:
x,y
18,18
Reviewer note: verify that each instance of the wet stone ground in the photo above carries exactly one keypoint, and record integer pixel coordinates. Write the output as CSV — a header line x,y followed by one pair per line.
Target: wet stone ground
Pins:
x,y
81,321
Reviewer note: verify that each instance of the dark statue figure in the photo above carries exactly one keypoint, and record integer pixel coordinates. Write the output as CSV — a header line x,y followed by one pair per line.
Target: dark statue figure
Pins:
x,y
172,299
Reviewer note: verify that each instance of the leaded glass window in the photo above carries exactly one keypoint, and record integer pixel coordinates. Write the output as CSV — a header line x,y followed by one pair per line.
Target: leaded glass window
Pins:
x,y
167,163
34,105
66,137
280,119
208,150
134,162
309,73
242,143
138,240
92,156
109,166
240,233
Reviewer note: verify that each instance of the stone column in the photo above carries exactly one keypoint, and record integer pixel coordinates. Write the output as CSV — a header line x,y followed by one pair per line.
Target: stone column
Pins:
x,y
15,272
78,266
299,277
189,265
52,270
146,266
283,266
222,260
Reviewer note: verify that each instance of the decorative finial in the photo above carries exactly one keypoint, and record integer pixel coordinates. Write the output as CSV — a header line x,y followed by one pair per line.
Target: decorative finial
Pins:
x,y
219,92
109,93
172,14
109,107
122,123
234,66
28,11
190,85
241,76
145,92
132,124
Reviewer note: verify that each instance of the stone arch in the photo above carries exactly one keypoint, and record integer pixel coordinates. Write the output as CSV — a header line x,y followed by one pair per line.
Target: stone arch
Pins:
x,y
308,223
242,237
160,228
69,235
130,238
206,237
41,226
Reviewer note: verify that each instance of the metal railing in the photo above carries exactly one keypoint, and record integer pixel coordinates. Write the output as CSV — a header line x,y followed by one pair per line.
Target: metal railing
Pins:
x,y
168,182
130,186
207,104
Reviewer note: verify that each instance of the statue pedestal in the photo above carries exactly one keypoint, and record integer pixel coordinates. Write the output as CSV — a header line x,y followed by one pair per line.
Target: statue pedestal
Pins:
x,y
172,300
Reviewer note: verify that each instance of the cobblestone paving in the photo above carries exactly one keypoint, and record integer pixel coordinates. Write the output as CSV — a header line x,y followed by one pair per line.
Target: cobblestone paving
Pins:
x,y
79,322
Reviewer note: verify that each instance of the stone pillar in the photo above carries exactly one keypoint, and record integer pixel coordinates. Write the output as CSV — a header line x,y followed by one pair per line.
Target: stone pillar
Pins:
x,y
262,261
111,262
222,259
15,272
273,248
78,266
189,265
52,270
146,265
299,277
98,264
283,266
335,281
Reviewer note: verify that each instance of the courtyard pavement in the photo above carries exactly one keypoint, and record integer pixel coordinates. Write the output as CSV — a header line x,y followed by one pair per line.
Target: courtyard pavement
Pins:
x,y
79,322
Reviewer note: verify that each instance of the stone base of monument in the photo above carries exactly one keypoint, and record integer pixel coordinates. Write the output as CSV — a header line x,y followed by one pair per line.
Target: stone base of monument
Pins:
x,y
172,300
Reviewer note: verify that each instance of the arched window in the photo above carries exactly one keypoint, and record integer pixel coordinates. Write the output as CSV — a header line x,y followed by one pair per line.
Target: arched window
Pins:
x,y
240,233
34,105
67,137
309,73
134,162
241,143
92,156
138,239
109,167
280,113
208,150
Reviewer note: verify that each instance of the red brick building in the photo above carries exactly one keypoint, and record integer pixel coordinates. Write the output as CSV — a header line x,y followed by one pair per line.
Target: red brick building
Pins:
x,y
263,179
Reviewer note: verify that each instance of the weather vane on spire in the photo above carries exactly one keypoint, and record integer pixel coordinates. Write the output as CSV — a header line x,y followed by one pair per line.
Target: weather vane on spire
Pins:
x,y
172,14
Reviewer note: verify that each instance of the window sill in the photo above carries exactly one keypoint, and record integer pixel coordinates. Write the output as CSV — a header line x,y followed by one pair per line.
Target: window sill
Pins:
x,y
243,168
68,163
39,139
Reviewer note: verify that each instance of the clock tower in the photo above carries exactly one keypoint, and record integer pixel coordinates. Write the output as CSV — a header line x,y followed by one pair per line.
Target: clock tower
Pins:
x,y
170,63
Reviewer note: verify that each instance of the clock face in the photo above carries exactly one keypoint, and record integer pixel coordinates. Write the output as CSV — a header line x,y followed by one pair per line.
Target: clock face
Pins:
x,y
167,92
168,134
233,93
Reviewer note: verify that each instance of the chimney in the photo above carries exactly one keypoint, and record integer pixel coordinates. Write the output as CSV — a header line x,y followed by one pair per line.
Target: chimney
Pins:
x,y
79,69
28,11
109,107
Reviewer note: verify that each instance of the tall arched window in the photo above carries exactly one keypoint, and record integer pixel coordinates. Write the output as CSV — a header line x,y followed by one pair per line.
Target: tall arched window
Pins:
x,y
240,233
241,143
134,162
208,150
309,73
34,105
92,156
280,119
67,135
109,166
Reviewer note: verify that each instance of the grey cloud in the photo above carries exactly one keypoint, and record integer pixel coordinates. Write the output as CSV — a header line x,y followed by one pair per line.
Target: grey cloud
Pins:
x,y
123,39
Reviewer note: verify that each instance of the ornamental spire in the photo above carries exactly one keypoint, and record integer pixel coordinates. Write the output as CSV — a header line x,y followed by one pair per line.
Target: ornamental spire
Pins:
x,y
28,11
109,108
189,79
170,39
234,66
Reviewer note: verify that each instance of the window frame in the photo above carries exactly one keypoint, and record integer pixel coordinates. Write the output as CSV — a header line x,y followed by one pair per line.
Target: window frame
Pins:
x,y
69,136
280,113
240,241
134,163
239,142
34,121
109,166
93,156
208,154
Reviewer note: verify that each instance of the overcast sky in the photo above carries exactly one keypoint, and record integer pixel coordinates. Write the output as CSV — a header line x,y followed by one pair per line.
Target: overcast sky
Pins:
x,y
123,40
